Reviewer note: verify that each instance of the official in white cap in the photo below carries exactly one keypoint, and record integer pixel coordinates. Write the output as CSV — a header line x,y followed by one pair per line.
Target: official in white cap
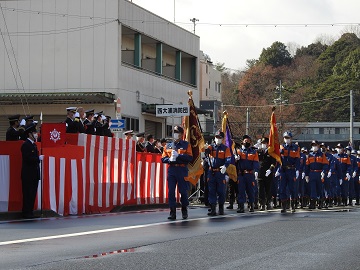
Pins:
x,y
128,134
71,127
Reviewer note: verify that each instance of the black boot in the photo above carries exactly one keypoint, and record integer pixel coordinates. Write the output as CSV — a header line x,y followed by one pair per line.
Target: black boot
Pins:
x,y
275,202
330,202
350,201
293,206
241,208
213,210
344,200
221,209
357,202
172,215
312,204
251,207
320,203
283,207
184,212
338,201
288,204
231,205
268,204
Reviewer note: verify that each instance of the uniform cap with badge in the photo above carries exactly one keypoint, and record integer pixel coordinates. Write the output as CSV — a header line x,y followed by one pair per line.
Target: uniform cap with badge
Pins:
x,y
178,129
14,118
140,135
219,134
129,133
71,109
30,128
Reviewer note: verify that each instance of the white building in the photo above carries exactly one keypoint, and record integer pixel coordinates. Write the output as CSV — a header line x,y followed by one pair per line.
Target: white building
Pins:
x,y
89,53
210,94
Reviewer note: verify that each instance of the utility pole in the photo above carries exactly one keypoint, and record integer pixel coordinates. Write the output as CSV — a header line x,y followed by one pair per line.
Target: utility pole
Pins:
x,y
351,118
174,11
194,20
247,121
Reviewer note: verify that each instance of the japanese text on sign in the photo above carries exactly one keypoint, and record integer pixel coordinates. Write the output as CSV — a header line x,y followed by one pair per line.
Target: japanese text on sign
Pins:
x,y
172,110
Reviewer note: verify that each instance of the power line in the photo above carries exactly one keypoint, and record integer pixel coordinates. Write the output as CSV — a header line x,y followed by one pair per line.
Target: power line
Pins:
x,y
338,24
274,24
38,12
60,31
291,104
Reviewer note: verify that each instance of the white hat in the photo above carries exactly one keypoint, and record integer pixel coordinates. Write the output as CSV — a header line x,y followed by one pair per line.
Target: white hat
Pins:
x,y
71,109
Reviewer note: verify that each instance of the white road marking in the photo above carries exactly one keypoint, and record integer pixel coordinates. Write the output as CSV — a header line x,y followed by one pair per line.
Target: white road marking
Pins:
x,y
44,238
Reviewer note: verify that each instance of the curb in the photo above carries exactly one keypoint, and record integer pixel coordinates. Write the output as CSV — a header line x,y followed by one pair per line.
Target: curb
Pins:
x,y
6,216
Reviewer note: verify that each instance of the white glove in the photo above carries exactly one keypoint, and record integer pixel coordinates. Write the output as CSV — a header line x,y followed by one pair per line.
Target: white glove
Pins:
x,y
172,159
256,175
303,175
267,173
174,153
322,175
103,117
223,169
237,157
354,174
41,157
297,174
307,179
329,174
23,122
348,176
340,181
227,178
277,174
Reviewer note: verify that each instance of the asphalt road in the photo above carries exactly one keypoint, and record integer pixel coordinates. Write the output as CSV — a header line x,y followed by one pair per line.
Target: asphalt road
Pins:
x,y
320,239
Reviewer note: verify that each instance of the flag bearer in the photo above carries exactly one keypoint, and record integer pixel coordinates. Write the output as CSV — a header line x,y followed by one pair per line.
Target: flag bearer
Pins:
x,y
219,158
177,154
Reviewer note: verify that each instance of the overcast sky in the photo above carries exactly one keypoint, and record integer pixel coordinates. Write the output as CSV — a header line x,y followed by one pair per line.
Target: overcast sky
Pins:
x,y
234,44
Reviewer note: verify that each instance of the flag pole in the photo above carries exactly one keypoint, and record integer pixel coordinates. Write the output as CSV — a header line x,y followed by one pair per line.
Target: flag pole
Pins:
x,y
41,171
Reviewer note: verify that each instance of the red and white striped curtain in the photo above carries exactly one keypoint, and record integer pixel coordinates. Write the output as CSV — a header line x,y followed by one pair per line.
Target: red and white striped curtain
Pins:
x,y
108,173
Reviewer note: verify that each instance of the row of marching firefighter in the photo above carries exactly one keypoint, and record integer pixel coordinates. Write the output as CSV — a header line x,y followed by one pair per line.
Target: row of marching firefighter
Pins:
x,y
319,177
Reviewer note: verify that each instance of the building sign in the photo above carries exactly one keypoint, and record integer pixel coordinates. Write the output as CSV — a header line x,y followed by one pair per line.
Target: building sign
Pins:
x,y
172,110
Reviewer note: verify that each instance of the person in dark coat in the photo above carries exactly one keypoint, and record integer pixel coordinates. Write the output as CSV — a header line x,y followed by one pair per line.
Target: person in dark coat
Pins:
x,y
26,122
98,123
13,133
30,170
140,138
88,122
79,126
106,126
150,144
266,174
71,125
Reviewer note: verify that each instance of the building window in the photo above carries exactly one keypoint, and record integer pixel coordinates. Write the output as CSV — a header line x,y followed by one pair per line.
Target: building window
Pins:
x,y
168,131
219,87
209,85
206,69
206,92
131,123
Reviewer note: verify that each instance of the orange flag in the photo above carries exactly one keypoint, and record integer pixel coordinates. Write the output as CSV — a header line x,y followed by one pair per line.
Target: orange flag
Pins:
x,y
274,146
193,135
